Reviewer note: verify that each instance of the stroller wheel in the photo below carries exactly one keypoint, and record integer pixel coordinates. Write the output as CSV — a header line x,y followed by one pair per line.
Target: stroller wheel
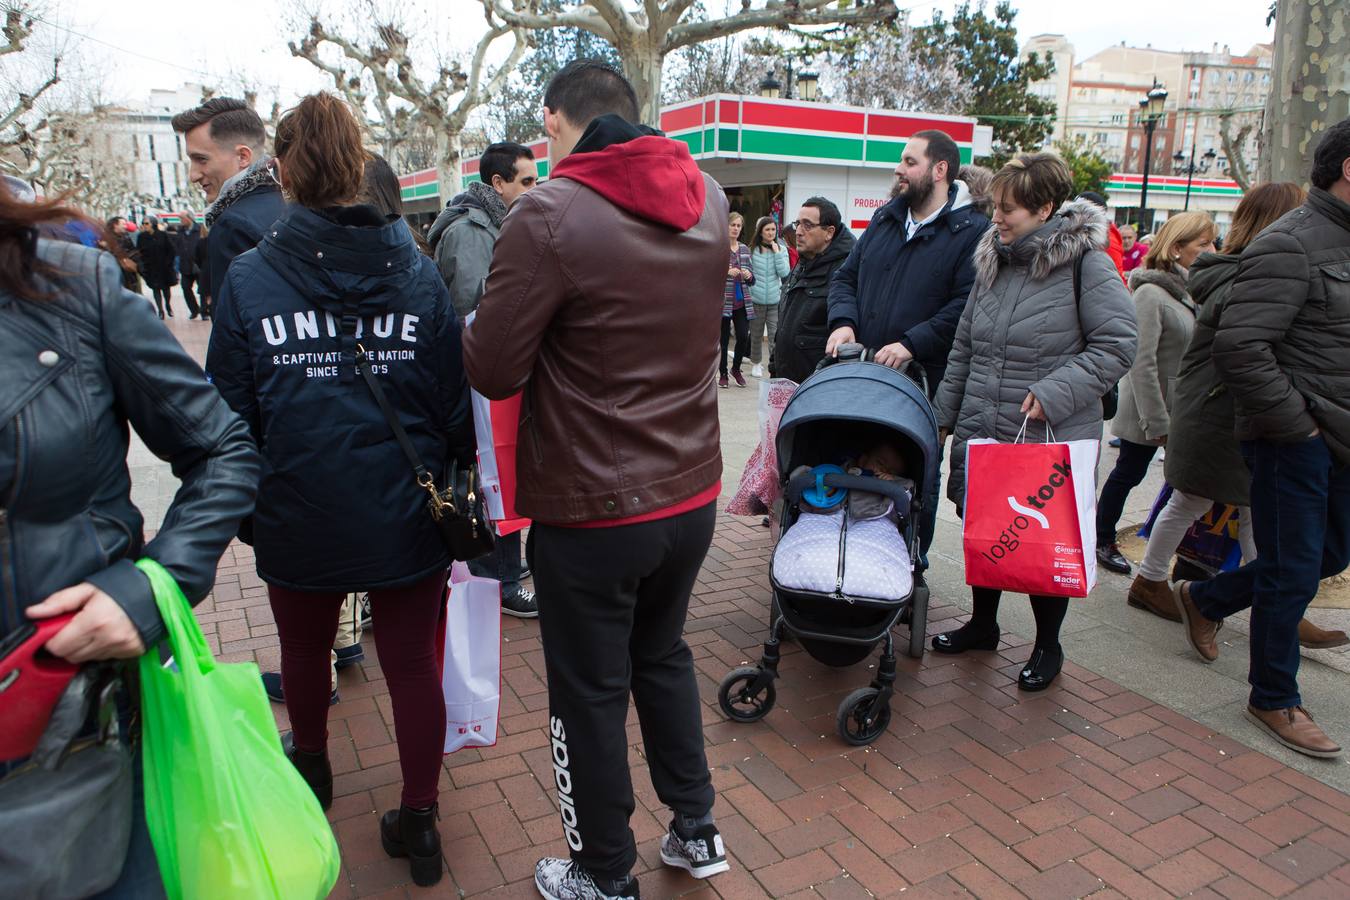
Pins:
x,y
857,722
735,697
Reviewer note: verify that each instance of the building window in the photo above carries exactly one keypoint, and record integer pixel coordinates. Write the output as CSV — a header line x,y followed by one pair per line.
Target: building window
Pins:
x,y
150,139
135,148
1134,142
1248,77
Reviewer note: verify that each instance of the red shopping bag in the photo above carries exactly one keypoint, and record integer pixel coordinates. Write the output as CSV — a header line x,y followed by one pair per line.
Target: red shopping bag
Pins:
x,y
1029,518
496,424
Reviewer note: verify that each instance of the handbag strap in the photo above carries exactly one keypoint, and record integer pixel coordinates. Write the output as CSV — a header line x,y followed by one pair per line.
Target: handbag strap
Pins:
x,y
420,471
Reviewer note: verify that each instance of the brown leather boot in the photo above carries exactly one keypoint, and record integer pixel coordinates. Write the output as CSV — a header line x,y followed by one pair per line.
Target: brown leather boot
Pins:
x,y
1294,727
1314,638
1153,596
1199,630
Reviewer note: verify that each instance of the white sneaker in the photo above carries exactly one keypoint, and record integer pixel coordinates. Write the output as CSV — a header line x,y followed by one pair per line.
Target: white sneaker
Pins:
x,y
701,855
563,879
757,371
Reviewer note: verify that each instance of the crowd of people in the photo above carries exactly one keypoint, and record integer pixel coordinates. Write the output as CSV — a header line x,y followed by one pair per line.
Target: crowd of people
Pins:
x,y
1018,306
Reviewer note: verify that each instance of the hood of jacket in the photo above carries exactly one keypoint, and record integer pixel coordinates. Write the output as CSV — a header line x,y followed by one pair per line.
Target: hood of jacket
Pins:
x,y
330,254
481,200
958,198
638,170
1079,226
1209,273
1171,282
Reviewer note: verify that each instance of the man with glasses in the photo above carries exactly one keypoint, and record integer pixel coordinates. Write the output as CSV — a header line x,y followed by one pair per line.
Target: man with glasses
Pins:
x,y
823,243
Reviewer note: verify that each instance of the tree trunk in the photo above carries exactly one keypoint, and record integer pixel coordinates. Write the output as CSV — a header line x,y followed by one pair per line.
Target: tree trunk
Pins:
x,y
642,64
449,171
1309,88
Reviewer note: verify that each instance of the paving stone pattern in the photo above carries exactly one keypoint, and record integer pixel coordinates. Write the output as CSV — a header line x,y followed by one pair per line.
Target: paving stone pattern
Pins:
x,y
975,789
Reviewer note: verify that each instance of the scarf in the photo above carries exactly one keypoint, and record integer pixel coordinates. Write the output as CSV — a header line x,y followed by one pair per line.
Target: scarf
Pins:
x,y
236,186
489,200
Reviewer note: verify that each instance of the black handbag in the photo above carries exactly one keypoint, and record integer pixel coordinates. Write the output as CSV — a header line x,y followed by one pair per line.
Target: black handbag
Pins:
x,y
457,508
1111,399
66,812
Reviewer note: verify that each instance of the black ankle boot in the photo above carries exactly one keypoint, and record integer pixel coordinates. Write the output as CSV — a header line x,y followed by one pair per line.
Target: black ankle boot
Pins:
x,y
968,637
1042,669
314,768
412,833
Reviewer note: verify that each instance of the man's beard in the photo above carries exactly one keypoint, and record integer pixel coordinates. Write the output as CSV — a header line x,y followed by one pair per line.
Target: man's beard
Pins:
x,y
917,193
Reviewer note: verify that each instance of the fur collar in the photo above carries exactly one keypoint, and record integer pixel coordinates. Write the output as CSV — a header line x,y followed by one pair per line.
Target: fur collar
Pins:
x,y
1171,282
257,175
1078,226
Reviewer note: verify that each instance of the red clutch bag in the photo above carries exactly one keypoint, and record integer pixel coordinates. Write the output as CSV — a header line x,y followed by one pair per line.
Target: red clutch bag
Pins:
x,y
31,681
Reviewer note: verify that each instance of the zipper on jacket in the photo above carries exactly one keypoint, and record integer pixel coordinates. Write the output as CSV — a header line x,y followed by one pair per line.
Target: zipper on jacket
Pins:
x,y
843,547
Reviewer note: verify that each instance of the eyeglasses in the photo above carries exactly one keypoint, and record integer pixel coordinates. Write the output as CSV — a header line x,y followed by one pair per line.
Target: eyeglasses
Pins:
x,y
805,225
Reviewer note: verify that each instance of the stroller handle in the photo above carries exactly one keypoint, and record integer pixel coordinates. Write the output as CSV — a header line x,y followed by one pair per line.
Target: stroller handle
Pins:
x,y
902,497
858,353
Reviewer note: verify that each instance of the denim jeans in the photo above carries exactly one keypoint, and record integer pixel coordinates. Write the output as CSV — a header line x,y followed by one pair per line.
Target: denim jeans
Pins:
x,y
502,564
1301,523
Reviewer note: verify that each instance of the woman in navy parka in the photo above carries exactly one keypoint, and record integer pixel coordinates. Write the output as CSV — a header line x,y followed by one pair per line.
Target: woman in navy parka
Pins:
x,y
339,508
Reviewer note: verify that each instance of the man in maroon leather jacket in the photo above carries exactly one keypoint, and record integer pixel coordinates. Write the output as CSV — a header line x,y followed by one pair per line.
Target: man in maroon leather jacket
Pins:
x,y
603,303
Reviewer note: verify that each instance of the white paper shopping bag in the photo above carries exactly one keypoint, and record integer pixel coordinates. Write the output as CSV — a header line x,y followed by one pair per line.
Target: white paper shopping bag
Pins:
x,y
471,672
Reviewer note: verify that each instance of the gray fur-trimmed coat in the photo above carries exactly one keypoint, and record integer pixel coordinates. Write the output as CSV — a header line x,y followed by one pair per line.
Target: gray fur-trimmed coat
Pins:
x,y
1023,331
1165,314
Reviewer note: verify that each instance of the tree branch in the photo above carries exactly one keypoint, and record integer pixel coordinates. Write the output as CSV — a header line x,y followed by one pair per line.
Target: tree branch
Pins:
x,y
17,28
1233,149
26,102
807,12
585,18
475,93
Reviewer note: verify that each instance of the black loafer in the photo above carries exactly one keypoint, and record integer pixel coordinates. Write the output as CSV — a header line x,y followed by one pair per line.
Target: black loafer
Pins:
x,y
967,638
1112,559
272,688
1041,670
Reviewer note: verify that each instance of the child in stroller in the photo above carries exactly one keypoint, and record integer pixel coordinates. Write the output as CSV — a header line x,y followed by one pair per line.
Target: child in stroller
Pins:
x,y
854,442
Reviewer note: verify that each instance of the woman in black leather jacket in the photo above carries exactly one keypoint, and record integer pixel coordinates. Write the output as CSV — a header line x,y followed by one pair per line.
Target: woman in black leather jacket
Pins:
x,y
81,359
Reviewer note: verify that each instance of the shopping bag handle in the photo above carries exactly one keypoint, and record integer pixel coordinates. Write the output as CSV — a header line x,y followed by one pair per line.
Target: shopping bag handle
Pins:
x,y
1049,432
183,634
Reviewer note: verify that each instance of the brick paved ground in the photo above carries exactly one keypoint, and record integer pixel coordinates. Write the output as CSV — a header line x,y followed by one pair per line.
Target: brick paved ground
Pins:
x,y
1086,789
975,789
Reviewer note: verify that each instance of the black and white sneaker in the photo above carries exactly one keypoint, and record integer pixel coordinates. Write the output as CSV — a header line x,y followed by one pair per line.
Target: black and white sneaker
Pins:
x,y
365,611
520,602
701,855
563,879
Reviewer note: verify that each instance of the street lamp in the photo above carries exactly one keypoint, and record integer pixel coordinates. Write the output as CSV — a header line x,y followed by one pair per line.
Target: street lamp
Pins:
x,y
806,85
1151,109
770,87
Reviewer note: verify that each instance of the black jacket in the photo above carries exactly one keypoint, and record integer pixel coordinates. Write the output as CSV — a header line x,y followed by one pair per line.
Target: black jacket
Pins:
x,y
912,291
186,244
803,313
1283,343
339,508
157,253
239,228
75,371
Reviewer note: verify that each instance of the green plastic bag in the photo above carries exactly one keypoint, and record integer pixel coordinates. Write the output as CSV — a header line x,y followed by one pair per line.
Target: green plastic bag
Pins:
x,y
228,814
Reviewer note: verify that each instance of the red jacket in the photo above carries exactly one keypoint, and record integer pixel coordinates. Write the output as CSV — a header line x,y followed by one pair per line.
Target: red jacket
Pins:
x,y
1115,248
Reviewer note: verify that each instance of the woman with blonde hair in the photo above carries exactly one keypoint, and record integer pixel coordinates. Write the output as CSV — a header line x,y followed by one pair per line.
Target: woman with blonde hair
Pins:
x,y
1166,316
1204,462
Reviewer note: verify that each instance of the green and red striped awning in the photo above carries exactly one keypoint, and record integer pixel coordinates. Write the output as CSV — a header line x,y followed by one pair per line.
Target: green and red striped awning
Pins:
x,y
1172,184
738,127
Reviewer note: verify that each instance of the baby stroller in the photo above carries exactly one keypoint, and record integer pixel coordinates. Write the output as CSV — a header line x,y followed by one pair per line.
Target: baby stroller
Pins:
x,y
840,614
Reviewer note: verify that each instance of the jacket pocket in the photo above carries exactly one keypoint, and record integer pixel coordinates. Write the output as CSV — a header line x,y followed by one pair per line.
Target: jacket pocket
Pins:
x,y
1336,283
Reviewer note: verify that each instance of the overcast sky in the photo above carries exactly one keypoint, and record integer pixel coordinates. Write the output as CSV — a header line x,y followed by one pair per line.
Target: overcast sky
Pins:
x,y
191,41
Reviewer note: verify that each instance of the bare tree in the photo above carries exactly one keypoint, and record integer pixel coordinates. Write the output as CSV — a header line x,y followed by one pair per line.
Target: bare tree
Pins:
x,y
645,37
28,76
891,68
712,67
1309,91
383,62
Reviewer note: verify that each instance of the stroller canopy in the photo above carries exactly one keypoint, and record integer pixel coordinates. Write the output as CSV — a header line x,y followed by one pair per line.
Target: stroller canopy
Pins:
x,y
814,423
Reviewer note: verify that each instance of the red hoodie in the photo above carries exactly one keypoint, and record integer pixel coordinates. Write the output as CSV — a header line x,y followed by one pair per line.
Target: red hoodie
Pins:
x,y
650,176
655,178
